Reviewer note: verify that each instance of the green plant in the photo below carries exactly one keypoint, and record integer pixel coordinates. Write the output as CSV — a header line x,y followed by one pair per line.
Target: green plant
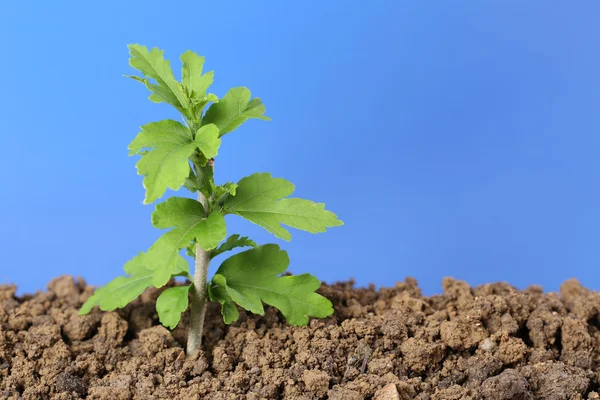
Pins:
x,y
175,154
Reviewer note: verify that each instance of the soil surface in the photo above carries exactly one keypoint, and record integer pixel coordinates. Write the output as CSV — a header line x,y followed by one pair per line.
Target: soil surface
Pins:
x,y
488,342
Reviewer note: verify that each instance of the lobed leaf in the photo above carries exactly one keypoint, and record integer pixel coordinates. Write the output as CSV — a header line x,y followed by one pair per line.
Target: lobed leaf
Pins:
x,y
217,292
211,231
166,166
229,312
223,191
228,188
124,289
207,139
201,181
260,199
189,220
232,242
191,74
251,278
153,65
177,211
118,293
171,304
233,110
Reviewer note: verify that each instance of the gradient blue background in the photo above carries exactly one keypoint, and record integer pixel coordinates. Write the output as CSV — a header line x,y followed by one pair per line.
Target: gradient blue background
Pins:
x,y
453,137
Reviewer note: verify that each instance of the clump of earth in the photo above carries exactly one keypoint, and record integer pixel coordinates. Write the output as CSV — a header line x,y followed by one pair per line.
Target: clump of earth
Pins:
x,y
491,342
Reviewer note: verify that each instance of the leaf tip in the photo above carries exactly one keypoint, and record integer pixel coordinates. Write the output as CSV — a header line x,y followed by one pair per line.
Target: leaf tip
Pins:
x,y
83,311
87,306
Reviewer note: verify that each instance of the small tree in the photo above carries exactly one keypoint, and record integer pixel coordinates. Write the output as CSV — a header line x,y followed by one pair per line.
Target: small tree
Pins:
x,y
174,155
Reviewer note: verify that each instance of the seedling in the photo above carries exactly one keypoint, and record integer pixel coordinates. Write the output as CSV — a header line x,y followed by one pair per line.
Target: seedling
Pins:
x,y
175,154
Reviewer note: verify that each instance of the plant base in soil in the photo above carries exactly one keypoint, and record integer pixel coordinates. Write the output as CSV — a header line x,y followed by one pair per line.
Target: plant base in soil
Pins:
x,y
488,342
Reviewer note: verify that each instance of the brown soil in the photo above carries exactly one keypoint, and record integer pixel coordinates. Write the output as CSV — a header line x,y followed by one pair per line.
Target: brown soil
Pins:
x,y
489,342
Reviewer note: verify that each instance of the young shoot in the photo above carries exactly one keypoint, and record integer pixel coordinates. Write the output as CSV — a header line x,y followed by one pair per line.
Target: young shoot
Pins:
x,y
174,154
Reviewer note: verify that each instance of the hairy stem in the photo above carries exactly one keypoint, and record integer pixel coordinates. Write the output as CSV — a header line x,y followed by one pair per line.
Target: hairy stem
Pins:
x,y
199,294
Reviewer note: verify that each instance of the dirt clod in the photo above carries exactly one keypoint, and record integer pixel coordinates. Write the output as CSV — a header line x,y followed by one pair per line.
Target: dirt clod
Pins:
x,y
316,381
491,342
509,385
66,382
388,392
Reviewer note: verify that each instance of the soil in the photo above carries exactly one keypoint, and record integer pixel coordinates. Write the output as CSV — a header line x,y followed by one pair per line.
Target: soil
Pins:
x,y
489,342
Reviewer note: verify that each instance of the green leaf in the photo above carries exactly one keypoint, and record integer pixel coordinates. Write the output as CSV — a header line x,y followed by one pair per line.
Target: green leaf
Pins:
x,y
233,110
207,139
199,103
188,218
224,191
177,211
232,242
191,69
185,215
155,134
171,304
182,268
118,293
230,312
211,98
190,249
202,181
260,199
166,166
212,231
191,74
217,291
137,78
137,265
153,65
162,273
124,289
252,277
227,188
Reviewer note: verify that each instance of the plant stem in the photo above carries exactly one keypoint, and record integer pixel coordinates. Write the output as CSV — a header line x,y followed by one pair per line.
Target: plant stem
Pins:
x,y
199,294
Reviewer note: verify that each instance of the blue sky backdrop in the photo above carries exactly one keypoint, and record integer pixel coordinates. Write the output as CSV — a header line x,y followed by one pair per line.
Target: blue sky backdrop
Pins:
x,y
454,138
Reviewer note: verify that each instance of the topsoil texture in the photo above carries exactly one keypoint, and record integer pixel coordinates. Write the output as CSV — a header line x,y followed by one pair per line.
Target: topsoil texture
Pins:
x,y
488,342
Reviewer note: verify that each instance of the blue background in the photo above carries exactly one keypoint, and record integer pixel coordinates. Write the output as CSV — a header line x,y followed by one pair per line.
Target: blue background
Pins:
x,y
453,137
